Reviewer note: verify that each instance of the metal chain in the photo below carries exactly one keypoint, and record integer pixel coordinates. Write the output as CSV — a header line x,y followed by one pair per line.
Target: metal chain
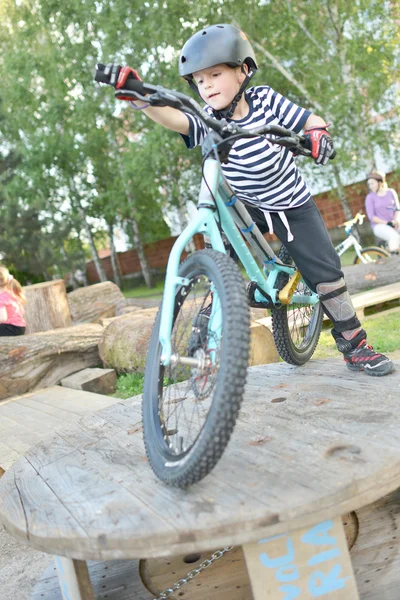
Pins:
x,y
192,574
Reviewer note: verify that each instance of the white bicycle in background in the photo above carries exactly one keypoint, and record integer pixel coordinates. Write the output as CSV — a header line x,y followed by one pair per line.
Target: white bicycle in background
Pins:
x,y
369,254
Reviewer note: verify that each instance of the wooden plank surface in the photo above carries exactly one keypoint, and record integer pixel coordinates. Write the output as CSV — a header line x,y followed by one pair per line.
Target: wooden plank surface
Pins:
x,y
26,420
312,443
307,563
376,553
114,580
375,557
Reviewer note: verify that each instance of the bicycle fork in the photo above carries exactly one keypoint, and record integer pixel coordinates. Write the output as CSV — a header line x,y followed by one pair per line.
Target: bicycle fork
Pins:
x,y
204,223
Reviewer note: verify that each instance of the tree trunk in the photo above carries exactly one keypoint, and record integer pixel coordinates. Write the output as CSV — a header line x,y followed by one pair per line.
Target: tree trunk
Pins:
x,y
75,202
183,221
47,306
114,256
342,197
137,241
363,277
89,304
82,262
40,360
96,259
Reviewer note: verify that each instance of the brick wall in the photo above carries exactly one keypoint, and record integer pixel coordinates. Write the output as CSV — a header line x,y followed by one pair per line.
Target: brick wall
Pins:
x,y
157,254
331,209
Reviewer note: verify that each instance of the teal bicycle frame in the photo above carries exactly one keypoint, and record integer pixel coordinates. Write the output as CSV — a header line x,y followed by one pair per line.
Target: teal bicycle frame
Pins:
x,y
215,186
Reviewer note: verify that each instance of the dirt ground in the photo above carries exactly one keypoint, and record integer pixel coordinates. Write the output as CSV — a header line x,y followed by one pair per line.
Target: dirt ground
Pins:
x,y
20,568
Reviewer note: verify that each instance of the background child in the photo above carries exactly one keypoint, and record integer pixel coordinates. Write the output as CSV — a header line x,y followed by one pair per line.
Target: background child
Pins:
x,y
11,305
383,210
218,62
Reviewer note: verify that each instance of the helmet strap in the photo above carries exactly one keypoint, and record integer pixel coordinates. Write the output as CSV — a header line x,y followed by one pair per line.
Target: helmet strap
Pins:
x,y
193,85
227,113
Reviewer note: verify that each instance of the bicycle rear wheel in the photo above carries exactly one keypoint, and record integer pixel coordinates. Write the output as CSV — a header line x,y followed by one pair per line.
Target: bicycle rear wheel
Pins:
x,y
296,328
372,254
189,411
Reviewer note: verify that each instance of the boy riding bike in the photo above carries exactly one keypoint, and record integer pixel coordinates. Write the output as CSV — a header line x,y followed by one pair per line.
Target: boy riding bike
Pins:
x,y
218,62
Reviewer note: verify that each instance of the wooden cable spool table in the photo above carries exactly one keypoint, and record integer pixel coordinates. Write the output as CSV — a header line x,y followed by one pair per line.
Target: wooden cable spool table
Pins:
x,y
312,444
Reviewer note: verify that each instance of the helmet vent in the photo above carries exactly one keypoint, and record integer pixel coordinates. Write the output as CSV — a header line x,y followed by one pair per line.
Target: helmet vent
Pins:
x,y
220,26
204,33
183,59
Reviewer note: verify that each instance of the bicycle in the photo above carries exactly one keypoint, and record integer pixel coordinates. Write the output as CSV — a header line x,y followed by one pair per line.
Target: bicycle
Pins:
x,y
198,353
369,254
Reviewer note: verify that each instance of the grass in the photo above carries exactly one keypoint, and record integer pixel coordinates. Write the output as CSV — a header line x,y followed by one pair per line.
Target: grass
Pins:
x,y
142,291
348,257
129,385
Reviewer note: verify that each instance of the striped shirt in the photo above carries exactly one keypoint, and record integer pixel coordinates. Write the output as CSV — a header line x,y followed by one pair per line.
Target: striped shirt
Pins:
x,y
259,172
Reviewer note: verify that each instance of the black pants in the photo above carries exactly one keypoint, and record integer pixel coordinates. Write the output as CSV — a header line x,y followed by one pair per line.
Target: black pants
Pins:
x,y
311,248
7,330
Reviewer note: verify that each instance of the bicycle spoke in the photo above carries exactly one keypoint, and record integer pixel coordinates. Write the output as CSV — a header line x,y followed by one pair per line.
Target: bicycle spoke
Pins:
x,y
186,394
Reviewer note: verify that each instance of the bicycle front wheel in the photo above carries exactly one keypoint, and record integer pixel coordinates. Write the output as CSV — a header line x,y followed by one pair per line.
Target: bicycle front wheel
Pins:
x,y
190,406
296,328
371,254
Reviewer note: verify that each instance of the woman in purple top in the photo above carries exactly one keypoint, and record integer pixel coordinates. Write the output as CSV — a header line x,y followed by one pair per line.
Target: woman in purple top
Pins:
x,y
382,206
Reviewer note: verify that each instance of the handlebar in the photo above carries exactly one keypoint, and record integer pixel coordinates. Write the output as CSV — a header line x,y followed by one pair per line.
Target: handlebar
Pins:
x,y
358,220
157,95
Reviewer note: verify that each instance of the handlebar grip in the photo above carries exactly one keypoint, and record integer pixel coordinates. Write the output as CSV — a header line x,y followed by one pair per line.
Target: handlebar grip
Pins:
x,y
131,84
134,85
99,75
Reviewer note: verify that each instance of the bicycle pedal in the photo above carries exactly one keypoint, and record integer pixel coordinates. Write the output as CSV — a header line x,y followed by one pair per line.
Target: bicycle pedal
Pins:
x,y
251,288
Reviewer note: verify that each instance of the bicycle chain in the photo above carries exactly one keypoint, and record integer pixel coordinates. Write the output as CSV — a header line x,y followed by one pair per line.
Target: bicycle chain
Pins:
x,y
192,574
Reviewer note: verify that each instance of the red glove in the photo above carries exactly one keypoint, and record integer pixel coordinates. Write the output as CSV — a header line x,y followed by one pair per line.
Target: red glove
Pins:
x,y
320,143
123,75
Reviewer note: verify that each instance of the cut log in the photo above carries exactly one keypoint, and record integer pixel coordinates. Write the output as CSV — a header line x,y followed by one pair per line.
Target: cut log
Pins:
x,y
126,339
47,306
363,277
42,359
262,346
91,303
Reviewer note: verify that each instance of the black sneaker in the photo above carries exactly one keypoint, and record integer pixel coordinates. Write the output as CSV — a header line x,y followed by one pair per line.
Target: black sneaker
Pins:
x,y
364,358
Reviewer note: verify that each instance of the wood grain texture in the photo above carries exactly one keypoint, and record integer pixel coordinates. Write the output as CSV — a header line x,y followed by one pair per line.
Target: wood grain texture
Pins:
x,y
91,303
114,580
375,558
26,420
262,346
366,276
307,563
47,306
312,443
29,362
98,381
126,339
376,553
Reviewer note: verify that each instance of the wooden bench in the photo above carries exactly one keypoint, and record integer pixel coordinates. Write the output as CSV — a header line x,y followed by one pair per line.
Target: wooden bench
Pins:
x,y
311,445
